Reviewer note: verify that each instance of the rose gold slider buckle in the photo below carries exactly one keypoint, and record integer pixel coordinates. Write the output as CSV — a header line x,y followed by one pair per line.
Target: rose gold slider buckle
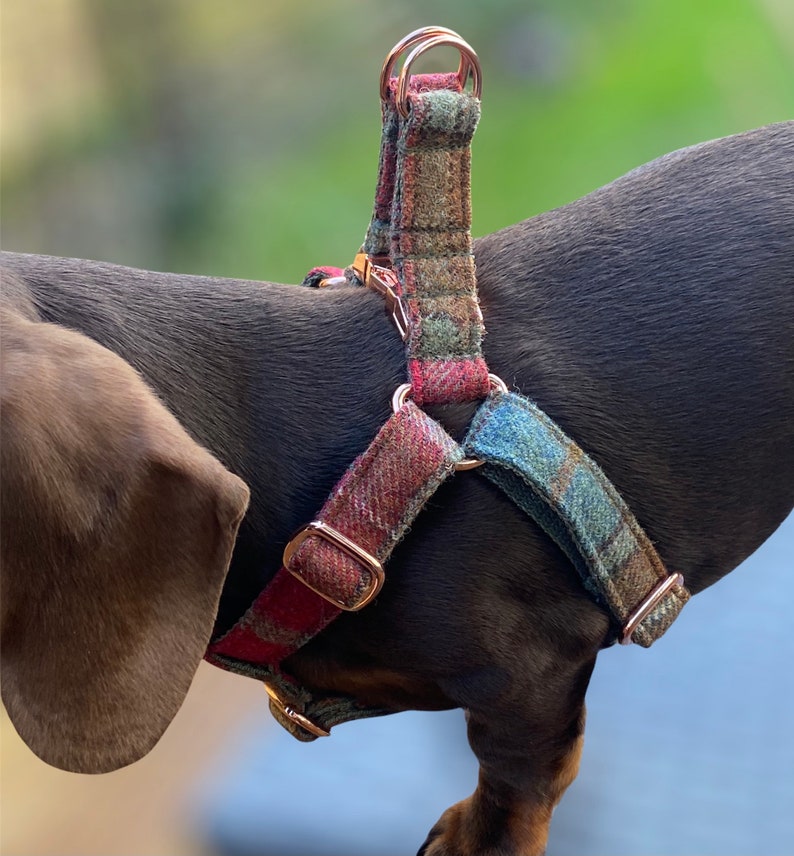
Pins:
x,y
658,593
318,529
378,277
298,718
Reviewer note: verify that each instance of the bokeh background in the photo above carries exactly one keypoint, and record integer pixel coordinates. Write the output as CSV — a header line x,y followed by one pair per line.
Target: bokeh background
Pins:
x,y
240,139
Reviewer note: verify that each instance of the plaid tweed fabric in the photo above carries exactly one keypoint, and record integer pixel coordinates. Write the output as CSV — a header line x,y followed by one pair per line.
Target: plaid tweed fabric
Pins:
x,y
378,239
325,711
316,275
422,221
548,476
373,504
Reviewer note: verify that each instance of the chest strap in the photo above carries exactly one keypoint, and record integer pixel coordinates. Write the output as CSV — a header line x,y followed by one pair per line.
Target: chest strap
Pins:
x,y
566,493
335,563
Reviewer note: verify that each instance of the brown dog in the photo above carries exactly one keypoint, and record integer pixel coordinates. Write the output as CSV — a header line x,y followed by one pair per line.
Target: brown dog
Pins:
x,y
653,319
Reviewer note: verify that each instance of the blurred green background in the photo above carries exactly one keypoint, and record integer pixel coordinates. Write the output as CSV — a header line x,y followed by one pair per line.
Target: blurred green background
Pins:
x,y
241,138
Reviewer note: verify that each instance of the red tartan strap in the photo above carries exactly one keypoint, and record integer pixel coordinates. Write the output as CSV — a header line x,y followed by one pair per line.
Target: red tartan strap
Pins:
x,y
421,223
420,226
373,505
377,243
432,248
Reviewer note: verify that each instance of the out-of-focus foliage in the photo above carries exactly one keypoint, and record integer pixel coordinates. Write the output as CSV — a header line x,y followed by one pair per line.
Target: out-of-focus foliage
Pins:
x,y
241,138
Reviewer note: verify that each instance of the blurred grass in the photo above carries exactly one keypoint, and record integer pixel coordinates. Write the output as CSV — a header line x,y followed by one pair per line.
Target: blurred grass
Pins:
x,y
242,140
672,74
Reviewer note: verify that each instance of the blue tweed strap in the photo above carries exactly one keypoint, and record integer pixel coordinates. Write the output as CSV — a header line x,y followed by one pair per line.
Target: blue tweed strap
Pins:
x,y
550,478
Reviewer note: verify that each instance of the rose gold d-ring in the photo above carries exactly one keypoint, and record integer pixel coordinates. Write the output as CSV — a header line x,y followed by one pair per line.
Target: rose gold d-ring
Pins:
x,y
404,390
298,718
472,66
408,42
400,396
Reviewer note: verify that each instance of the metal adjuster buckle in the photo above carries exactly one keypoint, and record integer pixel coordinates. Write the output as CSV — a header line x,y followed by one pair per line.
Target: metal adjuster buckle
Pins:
x,y
298,718
658,593
383,280
318,529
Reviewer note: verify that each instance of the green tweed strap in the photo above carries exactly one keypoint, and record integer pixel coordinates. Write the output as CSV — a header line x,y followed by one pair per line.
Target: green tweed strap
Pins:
x,y
550,478
324,711
432,248
421,229
377,243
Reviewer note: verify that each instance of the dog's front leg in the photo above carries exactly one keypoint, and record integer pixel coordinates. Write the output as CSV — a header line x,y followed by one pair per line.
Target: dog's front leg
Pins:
x,y
526,763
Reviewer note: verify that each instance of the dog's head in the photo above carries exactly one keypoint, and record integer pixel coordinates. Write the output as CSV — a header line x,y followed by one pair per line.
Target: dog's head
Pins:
x,y
118,532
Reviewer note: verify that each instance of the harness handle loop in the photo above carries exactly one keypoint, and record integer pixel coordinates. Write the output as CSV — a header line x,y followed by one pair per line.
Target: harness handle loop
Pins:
x,y
411,40
469,64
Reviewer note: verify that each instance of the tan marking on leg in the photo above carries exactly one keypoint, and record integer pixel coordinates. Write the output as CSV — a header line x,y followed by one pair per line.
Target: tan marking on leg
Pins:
x,y
528,829
528,826
568,770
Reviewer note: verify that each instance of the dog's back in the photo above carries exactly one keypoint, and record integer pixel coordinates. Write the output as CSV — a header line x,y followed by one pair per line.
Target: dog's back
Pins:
x,y
658,326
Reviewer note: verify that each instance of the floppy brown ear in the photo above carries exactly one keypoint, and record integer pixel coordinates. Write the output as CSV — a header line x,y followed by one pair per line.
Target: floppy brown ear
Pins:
x,y
117,532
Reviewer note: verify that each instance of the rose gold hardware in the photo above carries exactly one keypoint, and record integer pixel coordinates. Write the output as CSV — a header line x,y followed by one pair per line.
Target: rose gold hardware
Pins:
x,y
468,464
298,718
400,396
404,390
331,280
318,529
362,262
465,50
657,594
497,384
381,279
409,41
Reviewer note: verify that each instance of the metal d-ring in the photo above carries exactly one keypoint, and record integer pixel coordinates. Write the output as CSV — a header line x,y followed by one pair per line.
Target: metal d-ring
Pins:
x,y
410,41
401,396
472,66
298,718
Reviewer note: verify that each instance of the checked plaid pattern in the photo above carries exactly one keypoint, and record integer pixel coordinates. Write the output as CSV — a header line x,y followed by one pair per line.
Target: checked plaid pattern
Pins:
x,y
422,222
373,504
565,491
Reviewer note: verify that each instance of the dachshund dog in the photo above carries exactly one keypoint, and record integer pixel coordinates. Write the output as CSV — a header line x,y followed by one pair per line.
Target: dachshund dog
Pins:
x,y
164,435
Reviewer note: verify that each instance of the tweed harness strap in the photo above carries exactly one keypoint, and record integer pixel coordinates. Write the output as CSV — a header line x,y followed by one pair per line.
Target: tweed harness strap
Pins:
x,y
418,255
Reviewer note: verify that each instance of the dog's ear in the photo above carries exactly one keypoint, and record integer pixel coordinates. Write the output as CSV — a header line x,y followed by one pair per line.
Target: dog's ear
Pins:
x,y
117,532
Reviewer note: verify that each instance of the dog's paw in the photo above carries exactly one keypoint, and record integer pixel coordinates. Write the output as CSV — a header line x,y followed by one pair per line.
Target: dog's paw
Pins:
x,y
467,829
446,837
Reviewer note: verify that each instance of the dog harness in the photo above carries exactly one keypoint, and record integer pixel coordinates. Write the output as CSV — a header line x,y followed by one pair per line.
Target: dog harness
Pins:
x,y
417,255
